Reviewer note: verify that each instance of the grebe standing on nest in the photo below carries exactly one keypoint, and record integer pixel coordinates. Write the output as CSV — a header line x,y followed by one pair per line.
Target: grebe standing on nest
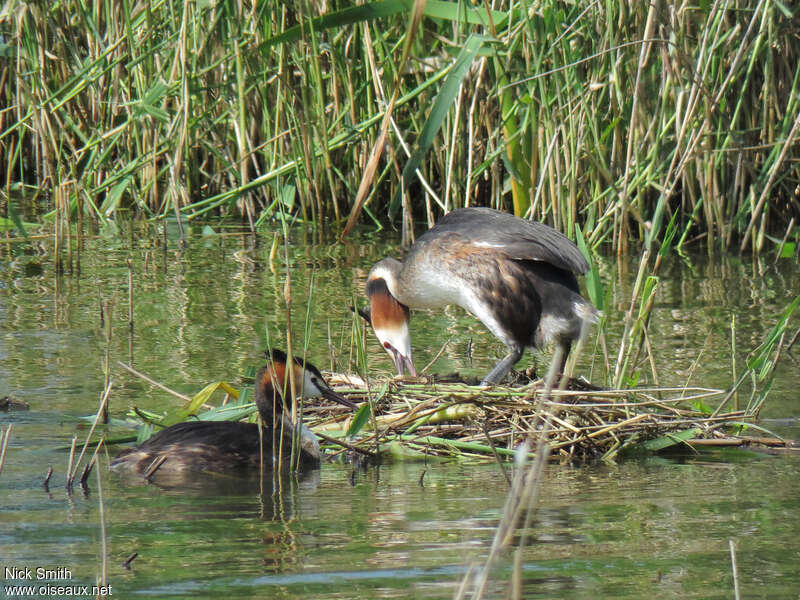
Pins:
x,y
225,445
516,276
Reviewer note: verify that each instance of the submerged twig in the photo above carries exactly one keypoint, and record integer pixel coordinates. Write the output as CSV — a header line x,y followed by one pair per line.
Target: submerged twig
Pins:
x,y
344,444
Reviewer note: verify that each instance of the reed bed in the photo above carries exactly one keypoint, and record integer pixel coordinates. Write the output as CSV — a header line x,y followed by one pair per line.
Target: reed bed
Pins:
x,y
631,121
454,420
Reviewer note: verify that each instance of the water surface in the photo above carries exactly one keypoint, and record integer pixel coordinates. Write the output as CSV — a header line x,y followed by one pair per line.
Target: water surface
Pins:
x,y
201,312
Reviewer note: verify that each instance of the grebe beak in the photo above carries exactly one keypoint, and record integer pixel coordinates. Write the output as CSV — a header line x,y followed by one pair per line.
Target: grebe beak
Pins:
x,y
401,361
329,394
311,383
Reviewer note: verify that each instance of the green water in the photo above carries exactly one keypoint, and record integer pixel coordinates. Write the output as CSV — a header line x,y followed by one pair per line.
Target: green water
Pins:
x,y
655,526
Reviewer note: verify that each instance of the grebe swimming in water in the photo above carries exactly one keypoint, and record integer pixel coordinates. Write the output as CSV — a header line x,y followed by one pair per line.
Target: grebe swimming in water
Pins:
x,y
225,445
516,276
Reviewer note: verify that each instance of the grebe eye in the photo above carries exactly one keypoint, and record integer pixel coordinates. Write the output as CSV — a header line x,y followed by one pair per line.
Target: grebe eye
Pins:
x,y
387,345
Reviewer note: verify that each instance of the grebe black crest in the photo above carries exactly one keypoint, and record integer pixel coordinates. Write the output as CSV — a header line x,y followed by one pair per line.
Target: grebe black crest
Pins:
x,y
516,276
222,446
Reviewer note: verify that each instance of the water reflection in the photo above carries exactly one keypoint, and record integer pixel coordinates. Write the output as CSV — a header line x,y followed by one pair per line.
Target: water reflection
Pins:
x,y
657,526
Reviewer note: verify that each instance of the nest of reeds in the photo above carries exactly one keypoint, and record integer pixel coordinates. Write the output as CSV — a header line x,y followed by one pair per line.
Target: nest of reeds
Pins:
x,y
580,423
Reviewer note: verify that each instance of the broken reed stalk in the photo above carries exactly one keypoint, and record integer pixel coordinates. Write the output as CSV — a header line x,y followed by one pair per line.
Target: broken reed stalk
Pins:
x,y
734,570
47,477
100,412
154,466
127,562
496,455
525,491
4,444
87,470
130,294
107,374
70,462
103,537
294,458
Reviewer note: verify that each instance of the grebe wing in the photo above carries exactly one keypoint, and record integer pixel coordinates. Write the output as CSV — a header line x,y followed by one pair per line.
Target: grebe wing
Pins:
x,y
518,238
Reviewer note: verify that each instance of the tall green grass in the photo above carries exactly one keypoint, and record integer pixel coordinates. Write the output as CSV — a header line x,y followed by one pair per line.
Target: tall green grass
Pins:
x,y
614,116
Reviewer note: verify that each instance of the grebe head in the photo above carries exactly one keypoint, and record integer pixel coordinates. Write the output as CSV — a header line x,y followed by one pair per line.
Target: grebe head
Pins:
x,y
272,380
388,316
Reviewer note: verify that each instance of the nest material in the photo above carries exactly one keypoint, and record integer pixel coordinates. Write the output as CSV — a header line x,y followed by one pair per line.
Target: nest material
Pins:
x,y
453,419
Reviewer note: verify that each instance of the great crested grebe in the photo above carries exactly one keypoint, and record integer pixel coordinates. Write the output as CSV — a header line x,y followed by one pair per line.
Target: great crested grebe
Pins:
x,y
516,276
225,445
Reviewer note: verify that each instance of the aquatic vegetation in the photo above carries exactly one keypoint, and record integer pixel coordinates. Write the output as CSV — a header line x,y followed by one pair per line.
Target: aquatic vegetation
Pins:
x,y
635,122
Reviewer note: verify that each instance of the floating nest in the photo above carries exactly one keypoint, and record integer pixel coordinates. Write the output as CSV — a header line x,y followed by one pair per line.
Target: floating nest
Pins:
x,y
581,423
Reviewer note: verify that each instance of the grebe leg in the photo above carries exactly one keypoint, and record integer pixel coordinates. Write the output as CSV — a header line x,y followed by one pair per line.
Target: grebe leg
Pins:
x,y
503,367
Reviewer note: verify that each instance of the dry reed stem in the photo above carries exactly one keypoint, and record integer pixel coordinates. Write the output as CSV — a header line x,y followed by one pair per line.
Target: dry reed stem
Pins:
x,y
4,436
100,411
153,382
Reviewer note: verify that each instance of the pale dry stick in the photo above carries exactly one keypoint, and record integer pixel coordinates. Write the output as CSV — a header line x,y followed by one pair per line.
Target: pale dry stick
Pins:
x,y
103,401
130,294
153,382
4,444
462,588
175,190
734,570
154,466
505,523
68,223
70,462
532,209
495,454
651,357
449,177
628,329
435,358
644,50
107,365
294,457
103,537
543,447
471,130
585,60
696,361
